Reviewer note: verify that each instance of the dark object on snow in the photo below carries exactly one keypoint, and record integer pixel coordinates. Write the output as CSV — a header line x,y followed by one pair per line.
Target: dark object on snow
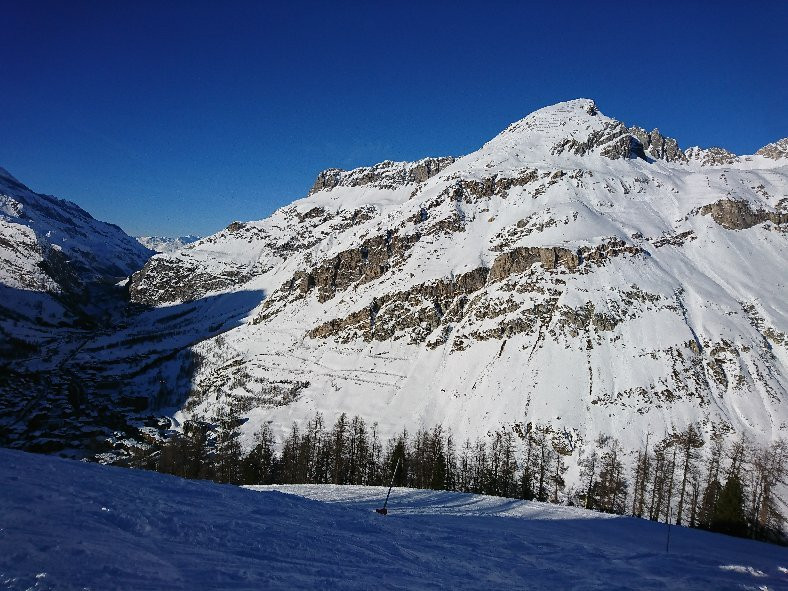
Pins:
x,y
383,510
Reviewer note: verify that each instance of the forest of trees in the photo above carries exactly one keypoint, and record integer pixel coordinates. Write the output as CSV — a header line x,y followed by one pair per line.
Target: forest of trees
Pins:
x,y
728,487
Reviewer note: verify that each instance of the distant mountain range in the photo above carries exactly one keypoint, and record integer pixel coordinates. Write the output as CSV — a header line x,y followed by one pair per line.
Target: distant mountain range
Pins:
x,y
166,244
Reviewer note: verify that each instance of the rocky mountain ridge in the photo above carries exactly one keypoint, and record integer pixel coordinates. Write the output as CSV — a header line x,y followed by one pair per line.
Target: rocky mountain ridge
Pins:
x,y
47,229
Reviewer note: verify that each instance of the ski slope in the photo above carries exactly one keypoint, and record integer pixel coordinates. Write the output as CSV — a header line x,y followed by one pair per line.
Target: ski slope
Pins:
x,y
70,525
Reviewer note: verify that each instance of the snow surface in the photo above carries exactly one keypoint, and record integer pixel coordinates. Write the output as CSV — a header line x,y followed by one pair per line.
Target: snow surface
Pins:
x,y
70,525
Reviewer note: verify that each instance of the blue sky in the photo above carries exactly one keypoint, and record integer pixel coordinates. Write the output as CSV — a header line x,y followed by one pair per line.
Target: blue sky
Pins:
x,y
174,118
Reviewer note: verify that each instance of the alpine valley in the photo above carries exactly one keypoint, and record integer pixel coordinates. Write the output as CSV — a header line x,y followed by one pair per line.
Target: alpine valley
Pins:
x,y
573,272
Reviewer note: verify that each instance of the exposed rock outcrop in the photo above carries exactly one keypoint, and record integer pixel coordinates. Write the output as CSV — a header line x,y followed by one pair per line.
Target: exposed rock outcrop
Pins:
x,y
711,156
625,146
471,190
164,280
612,247
659,146
385,175
739,215
615,141
421,308
675,239
775,150
424,307
521,259
622,143
369,261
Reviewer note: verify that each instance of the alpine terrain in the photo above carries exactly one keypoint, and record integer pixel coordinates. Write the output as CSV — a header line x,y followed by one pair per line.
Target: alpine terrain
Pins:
x,y
71,525
574,272
165,243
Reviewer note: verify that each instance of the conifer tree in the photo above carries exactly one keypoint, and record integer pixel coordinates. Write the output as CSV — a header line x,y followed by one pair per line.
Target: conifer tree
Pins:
x,y
689,441
526,479
589,468
339,452
227,453
612,489
451,482
398,459
713,486
729,512
258,465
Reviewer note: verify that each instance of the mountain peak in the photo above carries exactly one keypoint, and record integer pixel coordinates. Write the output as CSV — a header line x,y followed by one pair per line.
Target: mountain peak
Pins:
x,y
776,150
578,128
562,120
166,243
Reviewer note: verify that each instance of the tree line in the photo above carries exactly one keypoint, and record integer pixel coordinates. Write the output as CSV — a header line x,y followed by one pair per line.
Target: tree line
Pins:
x,y
680,478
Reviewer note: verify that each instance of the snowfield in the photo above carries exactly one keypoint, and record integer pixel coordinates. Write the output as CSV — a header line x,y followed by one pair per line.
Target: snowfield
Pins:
x,y
72,525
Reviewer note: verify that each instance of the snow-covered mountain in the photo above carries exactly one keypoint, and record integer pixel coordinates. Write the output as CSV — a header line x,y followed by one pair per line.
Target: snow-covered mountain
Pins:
x,y
58,273
50,244
58,267
573,272
165,243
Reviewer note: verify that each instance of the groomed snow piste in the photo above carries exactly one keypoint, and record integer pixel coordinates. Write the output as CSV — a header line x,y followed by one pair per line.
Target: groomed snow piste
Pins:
x,y
71,525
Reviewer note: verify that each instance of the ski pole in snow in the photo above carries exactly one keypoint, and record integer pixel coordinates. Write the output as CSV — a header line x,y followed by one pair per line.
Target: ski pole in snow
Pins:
x,y
667,544
383,510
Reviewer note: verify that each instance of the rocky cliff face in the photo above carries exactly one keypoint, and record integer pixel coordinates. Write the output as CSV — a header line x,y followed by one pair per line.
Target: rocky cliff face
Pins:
x,y
711,156
574,271
740,215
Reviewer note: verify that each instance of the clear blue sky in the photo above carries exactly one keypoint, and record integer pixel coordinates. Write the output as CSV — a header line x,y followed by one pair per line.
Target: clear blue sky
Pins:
x,y
173,118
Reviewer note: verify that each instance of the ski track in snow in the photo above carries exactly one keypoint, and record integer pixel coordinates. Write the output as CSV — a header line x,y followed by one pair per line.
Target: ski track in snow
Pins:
x,y
71,525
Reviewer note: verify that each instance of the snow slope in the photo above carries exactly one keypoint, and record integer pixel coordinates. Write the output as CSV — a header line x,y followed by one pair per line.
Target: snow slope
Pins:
x,y
70,525
573,272
57,263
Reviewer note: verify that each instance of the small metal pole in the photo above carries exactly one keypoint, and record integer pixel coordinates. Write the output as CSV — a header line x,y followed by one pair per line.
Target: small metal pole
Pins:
x,y
384,511
667,544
